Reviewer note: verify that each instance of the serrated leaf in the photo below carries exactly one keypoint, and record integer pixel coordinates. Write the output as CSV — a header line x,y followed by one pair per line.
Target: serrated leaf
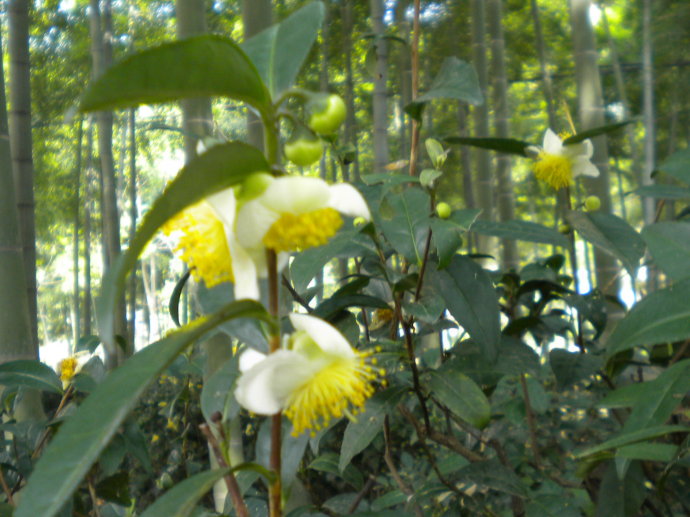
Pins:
x,y
677,165
30,374
82,437
181,500
461,395
669,244
501,145
471,299
279,51
595,131
407,227
611,234
219,168
520,230
202,66
662,316
359,434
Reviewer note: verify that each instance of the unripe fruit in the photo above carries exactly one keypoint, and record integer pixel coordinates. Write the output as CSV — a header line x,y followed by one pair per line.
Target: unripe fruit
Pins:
x,y
443,210
254,186
564,228
303,151
328,118
592,203
359,221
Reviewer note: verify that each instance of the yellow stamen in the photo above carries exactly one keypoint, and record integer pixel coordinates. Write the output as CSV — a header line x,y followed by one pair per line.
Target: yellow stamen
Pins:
x,y
68,369
554,169
339,389
203,244
298,232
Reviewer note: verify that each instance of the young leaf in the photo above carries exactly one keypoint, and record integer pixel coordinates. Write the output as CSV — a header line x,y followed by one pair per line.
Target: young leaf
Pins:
x,y
219,168
279,51
202,66
611,234
84,434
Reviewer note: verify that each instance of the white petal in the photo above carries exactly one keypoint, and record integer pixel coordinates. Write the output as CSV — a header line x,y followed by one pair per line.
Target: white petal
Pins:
x,y
244,270
583,167
224,205
347,200
588,149
296,194
552,144
253,221
250,358
264,388
325,335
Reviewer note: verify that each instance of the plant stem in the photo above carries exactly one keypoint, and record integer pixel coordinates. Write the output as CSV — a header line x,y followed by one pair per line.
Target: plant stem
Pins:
x,y
275,490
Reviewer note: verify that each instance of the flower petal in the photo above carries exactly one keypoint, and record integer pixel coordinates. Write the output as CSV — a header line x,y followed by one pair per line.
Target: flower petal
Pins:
x,y
296,194
325,335
253,221
249,358
347,200
583,167
552,143
224,205
244,271
264,388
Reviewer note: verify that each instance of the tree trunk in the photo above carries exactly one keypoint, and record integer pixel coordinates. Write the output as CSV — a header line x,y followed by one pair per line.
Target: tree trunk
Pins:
x,y
505,201
591,114
380,96
101,52
76,301
543,66
256,16
21,146
88,206
350,123
484,180
648,108
133,214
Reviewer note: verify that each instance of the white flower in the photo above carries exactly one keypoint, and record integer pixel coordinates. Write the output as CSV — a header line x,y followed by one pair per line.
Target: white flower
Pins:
x,y
295,213
559,164
318,376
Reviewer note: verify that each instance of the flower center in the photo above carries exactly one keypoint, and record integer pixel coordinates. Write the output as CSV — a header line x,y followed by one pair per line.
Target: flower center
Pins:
x,y
343,384
298,232
554,169
202,244
68,368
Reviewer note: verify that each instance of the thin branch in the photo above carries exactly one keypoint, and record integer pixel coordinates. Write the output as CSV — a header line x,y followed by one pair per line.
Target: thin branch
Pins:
x,y
295,295
530,421
388,457
362,493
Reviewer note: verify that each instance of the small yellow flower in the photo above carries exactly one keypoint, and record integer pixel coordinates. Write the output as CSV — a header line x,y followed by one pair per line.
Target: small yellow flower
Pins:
x,y
68,369
558,164
316,378
155,438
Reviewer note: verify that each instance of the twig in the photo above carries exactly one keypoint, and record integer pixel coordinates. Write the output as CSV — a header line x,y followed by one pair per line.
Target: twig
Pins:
x,y
229,478
94,497
414,54
387,456
679,353
365,490
516,502
6,488
295,295
46,433
530,422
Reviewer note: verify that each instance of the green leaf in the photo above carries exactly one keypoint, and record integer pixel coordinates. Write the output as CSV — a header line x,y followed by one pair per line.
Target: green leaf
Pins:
x,y
461,395
662,316
428,177
447,237
595,131
217,395
359,434
648,451
279,51
493,475
677,165
669,244
333,305
611,234
455,80
30,374
520,230
502,145
633,437
663,192
407,227
85,433
305,266
572,367
388,178
471,299
203,66
219,168
623,497
174,303
328,462
436,153
180,500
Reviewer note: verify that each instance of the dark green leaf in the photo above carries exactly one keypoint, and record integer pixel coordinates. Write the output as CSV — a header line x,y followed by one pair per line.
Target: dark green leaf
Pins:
x,y
623,496
663,192
333,305
308,263
648,451
669,244
678,165
203,66
84,434
407,227
279,51
595,131
89,343
572,367
180,500
461,395
360,433
30,374
502,145
115,488
663,316
633,437
328,462
217,395
611,234
492,474
471,299
520,230
174,304
388,178
447,236
219,168
455,80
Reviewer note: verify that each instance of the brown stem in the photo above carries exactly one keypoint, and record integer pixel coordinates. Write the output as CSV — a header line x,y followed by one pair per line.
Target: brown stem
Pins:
x,y
388,457
414,56
362,493
530,422
295,295
576,282
6,488
65,397
229,478
275,490
93,496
